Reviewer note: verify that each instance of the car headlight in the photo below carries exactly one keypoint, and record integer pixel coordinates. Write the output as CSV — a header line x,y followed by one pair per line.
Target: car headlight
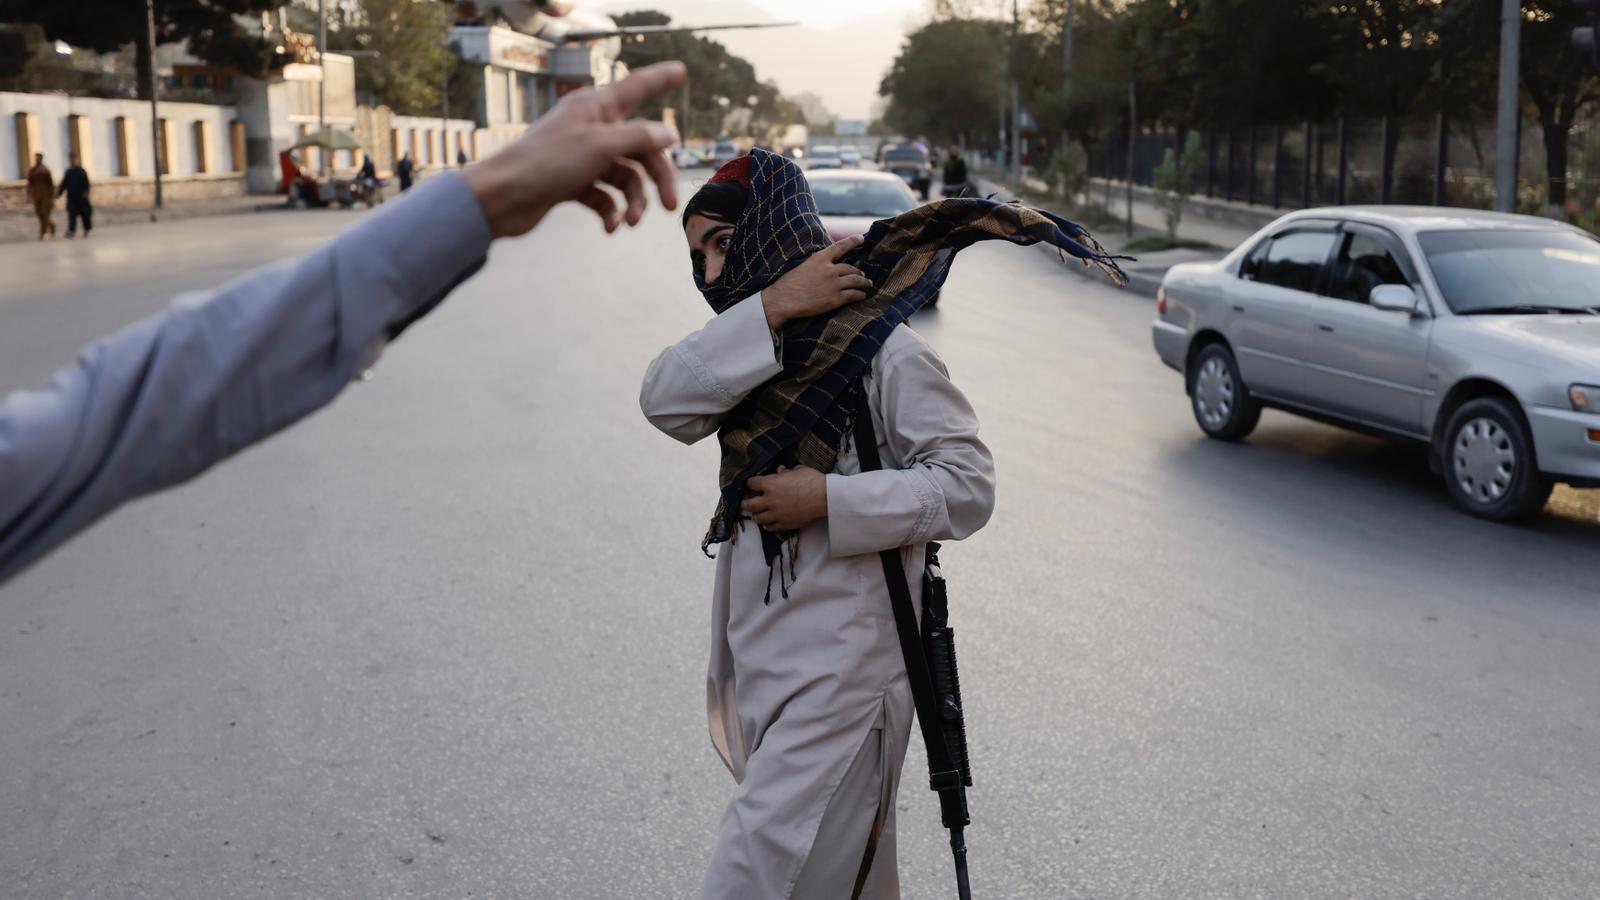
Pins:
x,y
1584,397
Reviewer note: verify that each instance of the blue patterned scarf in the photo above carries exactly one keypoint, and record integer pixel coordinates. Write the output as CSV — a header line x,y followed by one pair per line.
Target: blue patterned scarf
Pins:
x,y
801,416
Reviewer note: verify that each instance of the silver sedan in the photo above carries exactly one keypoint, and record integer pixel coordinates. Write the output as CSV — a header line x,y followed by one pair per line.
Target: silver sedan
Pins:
x,y
1475,333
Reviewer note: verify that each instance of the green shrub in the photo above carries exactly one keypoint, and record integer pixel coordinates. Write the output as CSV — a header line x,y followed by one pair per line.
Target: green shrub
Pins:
x,y
1174,182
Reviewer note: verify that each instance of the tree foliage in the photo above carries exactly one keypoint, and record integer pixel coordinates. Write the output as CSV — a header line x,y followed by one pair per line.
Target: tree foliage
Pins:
x,y
945,82
406,58
713,72
209,28
1226,64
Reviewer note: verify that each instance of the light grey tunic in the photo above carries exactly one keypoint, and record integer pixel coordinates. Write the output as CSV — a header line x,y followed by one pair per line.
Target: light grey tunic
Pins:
x,y
807,696
166,398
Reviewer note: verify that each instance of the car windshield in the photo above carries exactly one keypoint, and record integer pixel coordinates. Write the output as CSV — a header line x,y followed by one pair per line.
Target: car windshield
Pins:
x,y
909,154
1545,271
845,197
824,151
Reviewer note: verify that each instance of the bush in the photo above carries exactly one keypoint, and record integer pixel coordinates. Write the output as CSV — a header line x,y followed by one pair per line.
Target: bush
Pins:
x,y
1174,181
1069,171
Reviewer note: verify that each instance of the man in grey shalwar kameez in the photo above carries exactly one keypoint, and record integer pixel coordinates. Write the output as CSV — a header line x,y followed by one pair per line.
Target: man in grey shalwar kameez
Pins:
x,y
806,692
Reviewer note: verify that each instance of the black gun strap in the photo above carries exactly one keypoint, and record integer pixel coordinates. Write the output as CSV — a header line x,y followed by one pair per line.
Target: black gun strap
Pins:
x,y
942,768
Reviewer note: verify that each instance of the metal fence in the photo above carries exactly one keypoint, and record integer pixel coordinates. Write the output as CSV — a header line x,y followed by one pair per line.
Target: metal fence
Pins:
x,y
1438,161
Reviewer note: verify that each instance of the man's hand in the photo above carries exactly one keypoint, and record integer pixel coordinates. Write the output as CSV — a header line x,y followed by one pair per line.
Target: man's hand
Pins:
x,y
789,500
819,285
585,141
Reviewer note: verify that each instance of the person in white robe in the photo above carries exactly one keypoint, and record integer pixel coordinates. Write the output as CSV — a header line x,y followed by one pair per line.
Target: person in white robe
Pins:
x,y
807,696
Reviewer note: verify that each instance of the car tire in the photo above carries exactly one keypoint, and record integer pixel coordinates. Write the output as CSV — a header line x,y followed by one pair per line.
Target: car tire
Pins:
x,y
1222,405
1488,462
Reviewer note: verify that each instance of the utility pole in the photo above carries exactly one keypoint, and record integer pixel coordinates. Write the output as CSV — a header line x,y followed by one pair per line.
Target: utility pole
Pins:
x,y
1066,71
322,84
1133,134
157,151
1505,147
1016,97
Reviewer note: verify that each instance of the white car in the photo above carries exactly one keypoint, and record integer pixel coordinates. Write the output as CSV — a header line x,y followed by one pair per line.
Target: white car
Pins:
x,y
1472,333
825,156
849,157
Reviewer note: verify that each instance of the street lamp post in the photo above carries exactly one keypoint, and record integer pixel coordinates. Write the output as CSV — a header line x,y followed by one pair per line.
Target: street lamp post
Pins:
x,y
1505,149
322,83
156,150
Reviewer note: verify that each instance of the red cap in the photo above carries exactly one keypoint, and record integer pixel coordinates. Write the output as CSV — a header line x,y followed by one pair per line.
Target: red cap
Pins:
x,y
734,170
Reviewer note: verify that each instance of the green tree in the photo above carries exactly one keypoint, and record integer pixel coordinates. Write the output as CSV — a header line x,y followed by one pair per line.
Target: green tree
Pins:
x,y
1174,182
713,72
210,28
1559,79
406,55
945,81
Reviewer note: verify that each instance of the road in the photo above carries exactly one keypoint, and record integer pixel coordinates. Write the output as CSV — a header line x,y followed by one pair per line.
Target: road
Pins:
x,y
447,638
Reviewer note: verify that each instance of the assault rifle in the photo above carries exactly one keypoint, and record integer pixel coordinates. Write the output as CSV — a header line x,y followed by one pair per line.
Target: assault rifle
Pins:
x,y
930,658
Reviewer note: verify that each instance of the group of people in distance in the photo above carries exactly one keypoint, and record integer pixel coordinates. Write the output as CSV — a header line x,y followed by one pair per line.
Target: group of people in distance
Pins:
x,y
43,191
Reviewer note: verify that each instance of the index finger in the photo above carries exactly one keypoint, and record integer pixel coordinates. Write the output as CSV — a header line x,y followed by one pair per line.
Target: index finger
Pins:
x,y
839,248
625,96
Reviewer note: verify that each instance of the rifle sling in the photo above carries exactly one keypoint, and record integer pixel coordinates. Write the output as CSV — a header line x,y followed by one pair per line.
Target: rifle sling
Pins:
x,y
943,773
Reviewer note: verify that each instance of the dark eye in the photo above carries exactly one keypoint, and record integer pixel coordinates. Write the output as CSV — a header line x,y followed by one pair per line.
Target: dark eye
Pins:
x,y
723,242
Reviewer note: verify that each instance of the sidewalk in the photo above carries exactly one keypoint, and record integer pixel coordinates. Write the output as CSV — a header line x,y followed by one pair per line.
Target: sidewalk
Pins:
x,y
20,225
1145,272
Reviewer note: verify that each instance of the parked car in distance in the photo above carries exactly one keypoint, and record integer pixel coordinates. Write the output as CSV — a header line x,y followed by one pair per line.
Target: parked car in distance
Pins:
x,y
724,152
684,158
910,163
850,200
823,156
849,157
1474,333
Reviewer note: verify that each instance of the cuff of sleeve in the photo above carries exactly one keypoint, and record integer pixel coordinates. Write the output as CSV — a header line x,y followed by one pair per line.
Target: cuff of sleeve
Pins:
x,y
864,517
734,353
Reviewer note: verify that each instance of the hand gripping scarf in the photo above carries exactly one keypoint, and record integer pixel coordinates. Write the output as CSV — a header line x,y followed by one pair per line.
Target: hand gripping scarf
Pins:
x,y
801,416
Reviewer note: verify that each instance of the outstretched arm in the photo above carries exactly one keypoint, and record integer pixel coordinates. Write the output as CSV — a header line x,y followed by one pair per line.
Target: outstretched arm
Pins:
x,y
166,398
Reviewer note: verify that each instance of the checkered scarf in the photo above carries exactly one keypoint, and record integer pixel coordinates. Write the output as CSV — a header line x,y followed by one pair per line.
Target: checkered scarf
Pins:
x,y
801,416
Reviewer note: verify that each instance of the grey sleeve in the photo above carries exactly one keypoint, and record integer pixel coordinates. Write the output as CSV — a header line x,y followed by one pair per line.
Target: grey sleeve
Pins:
x,y
166,398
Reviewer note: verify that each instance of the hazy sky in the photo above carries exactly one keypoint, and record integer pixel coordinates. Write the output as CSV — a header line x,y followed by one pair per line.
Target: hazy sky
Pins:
x,y
840,50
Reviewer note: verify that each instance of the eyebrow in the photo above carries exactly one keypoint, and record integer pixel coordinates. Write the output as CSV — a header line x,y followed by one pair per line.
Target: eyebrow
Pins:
x,y
713,231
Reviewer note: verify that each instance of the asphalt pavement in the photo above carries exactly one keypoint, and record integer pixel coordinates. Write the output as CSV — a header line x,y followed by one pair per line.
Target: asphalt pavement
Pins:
x,y
447,638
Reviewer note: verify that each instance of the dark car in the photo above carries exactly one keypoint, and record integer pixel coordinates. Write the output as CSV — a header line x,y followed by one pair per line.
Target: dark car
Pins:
x,y
910,163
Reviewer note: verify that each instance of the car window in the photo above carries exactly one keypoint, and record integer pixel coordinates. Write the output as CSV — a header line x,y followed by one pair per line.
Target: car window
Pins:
x,y
1294,260
1362,263
1491,269
877,198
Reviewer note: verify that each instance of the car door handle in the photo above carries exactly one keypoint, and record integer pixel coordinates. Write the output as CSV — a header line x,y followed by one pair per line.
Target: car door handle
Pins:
x,y
1321,327
1237,307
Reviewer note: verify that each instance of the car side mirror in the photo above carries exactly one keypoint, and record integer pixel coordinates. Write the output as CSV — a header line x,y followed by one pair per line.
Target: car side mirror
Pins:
x,y
1394,298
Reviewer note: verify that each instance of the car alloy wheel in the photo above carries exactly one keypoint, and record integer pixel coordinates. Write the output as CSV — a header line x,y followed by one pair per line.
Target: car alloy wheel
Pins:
x,y
1484,460
1214,393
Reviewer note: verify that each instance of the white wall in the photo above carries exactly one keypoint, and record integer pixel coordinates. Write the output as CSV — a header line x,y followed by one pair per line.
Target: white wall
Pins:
x,y
53,109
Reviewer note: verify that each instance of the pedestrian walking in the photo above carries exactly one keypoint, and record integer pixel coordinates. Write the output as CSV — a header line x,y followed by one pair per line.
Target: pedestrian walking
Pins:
x,y
808,700
461,158
955,174
42,194
404,170
75,184
164,399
